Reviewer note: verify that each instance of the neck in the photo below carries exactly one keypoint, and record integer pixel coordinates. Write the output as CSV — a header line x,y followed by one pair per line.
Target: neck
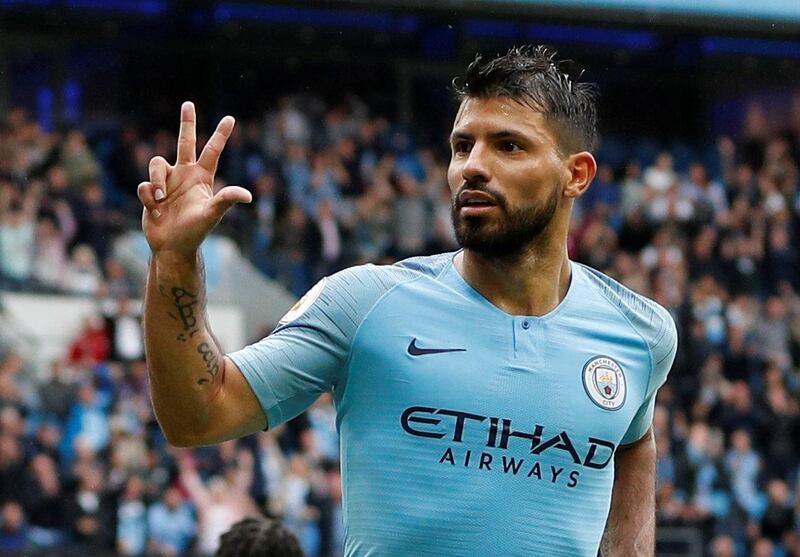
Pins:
x,y
532,282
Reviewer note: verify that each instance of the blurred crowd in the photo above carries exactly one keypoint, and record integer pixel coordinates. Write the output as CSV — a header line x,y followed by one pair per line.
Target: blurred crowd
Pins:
x,y
710,235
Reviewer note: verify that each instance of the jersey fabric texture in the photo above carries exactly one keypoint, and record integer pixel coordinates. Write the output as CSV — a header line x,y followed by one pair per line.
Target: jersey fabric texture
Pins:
x,y
467,431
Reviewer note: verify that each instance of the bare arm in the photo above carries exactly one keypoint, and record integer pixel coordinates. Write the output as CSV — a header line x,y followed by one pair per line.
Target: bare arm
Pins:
x,y
630,530
199,396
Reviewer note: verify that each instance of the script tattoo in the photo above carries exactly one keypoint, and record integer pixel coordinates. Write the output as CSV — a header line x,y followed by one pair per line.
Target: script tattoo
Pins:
x,y
211,361
185,302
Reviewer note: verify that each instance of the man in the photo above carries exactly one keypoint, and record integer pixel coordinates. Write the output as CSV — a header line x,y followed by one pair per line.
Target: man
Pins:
x,y
486,399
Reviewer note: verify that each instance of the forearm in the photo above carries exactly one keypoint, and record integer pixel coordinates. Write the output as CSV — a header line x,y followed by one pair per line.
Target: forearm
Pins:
x,y
185,363
630,529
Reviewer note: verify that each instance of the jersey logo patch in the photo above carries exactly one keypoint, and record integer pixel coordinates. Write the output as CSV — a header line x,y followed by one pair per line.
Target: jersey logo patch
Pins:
x,y
605,383
303,303
415,350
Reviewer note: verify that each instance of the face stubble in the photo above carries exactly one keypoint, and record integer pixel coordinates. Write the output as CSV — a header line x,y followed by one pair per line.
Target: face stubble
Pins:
x,y
509,235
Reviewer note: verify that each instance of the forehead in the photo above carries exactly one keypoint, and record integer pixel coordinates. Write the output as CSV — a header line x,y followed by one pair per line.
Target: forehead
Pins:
x,y
488,115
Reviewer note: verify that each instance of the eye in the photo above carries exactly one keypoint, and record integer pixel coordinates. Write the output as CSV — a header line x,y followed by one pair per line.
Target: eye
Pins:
x,y
510,146
461,147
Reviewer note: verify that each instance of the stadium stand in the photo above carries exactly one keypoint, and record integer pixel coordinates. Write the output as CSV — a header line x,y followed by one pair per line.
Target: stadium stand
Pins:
x,y
84,465
709,230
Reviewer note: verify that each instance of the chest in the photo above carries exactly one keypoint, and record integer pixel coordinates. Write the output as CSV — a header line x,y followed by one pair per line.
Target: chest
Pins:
x,y
479,372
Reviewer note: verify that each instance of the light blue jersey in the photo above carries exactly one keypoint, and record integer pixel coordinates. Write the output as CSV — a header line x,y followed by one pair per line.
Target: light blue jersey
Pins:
x,y
466,431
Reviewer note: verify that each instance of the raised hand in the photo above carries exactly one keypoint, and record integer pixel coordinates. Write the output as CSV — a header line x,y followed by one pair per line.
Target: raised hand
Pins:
x,y
180,207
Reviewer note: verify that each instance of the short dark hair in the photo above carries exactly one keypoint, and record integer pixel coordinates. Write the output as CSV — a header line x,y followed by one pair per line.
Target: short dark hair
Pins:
x,y
532,75
258,537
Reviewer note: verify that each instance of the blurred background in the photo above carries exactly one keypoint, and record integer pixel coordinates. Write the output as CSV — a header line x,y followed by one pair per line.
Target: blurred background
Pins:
x,y
343,110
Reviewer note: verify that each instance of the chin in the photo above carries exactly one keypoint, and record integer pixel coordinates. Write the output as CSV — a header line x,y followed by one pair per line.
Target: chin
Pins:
x,y
487,241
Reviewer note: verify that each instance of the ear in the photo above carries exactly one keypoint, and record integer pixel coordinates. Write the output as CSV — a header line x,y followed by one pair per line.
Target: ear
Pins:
x,y
582,167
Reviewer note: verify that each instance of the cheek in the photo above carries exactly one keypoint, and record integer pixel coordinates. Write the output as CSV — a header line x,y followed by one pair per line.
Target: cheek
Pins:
x,y
454,178
534,187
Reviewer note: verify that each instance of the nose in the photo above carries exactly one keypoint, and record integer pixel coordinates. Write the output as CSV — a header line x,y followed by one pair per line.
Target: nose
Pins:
x,y
476,168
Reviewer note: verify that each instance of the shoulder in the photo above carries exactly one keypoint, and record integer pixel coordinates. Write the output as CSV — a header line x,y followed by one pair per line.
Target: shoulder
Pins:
x,y
348,295
372,281
430,265
650,320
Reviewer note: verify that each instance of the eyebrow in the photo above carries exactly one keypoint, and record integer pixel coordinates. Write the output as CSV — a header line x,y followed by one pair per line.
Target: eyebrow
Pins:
x,y
498,135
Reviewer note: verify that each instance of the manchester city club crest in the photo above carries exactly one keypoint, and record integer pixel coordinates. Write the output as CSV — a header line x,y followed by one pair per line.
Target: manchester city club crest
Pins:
x,y
604,382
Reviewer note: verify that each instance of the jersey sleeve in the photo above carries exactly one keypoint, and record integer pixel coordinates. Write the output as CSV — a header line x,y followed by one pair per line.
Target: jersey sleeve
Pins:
x,y
307,352
662,339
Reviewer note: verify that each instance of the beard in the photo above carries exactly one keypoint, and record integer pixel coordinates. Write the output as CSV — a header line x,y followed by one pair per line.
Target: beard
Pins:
x,y
516,230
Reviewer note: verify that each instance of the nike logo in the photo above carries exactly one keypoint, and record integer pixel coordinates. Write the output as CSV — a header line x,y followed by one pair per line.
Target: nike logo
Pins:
x,y
415,350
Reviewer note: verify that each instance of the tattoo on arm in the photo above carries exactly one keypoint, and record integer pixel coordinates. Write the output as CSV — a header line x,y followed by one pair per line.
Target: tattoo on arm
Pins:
x,y
211,361
185,302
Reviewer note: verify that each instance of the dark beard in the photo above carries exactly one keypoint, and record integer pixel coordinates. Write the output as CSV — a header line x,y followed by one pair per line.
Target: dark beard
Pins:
x,y
506,237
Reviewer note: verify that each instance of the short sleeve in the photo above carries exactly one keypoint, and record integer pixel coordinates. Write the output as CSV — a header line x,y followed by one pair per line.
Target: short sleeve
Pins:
x,y
307,353
663,344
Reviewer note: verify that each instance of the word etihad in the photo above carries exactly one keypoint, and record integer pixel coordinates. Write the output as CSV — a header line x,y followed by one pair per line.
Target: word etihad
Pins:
x,y
427,422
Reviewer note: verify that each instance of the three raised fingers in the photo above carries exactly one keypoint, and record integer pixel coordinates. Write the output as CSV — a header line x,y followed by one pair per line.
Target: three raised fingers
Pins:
x,y
187,135
211,152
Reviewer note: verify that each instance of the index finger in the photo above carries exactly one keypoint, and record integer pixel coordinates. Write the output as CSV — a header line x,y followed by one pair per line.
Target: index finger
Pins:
x,y
211,152
187,136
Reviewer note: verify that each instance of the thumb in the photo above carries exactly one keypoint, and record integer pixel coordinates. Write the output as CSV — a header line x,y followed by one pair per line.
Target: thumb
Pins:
x,y
227,197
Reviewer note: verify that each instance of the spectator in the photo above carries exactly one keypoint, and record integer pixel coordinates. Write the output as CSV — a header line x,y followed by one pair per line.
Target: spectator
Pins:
x,y
117,282
780,260
171,525
125,333
50,254
604,191
16,384
87,422
297,246
778,518
331,523
83,274
773,332
44,502
58,391
660,178
90,511
708,196
783,433
92,345
299,515
18,238
632,188
77,159
132,519
13,530
224,502
743,465
723,546
12,468
763,548
98,223
411,216
267,211
330,239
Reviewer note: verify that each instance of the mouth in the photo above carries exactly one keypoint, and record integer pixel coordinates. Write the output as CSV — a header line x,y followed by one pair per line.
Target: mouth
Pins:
x,y
475,203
